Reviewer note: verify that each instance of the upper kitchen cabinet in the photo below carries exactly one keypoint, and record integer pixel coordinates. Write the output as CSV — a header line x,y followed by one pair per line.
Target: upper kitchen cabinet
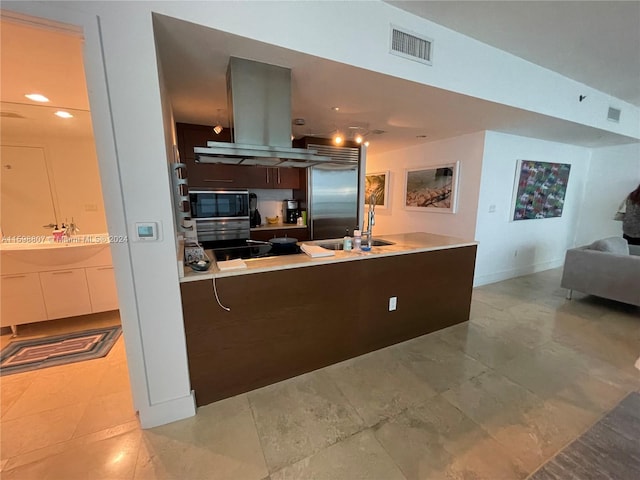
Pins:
x,y
199,175
210,175
190,136
283,177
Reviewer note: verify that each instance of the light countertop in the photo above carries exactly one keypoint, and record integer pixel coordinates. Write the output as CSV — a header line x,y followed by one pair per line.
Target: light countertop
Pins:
x,y
404,243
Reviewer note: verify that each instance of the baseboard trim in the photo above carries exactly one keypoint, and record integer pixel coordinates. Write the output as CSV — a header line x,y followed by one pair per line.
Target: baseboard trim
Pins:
x,y
167,412
489,278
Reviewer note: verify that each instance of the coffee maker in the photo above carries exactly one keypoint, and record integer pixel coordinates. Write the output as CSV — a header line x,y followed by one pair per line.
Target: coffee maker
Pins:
x,y
290,211
254,215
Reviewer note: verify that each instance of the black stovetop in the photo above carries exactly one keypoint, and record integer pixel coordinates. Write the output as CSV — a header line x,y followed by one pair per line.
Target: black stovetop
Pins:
x,y
232,251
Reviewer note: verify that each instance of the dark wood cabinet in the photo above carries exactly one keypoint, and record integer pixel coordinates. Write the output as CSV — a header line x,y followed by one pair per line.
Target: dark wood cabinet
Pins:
x,y
302,234
275,333
271,177
210,175
283,177
205,175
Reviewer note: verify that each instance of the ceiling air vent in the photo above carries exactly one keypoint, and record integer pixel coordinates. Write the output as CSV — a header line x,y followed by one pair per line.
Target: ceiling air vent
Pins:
x,y
411,46
614,114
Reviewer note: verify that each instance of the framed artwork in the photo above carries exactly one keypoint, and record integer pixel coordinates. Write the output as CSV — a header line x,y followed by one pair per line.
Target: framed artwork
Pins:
x,y
432,189
539,189
377,184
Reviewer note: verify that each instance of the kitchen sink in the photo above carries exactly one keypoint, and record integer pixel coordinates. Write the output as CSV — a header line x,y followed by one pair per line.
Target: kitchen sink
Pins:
x,y
338,245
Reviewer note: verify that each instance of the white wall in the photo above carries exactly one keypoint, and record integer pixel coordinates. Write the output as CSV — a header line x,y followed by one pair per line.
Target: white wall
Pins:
x,y
122,76
613,173
508,249
270,202
75,182
132,153
466,149
335,30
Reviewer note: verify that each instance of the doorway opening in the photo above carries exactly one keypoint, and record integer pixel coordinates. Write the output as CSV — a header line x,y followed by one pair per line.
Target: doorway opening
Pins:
x,y
57,271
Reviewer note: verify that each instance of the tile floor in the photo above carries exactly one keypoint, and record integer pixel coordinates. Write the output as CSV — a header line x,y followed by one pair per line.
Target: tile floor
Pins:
x,y
492,398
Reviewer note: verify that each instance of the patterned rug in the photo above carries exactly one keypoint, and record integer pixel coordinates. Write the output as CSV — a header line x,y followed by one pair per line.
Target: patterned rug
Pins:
x,y
608,450
24,355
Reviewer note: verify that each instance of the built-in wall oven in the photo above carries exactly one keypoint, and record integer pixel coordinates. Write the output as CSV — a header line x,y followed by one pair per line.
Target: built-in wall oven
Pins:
x,y
220,215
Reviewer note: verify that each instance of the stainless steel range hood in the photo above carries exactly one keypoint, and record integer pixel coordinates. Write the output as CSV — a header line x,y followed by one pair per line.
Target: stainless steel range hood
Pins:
x,y
259,105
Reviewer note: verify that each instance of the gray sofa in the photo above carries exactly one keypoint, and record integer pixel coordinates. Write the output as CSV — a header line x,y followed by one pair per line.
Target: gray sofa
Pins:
x,y
608,268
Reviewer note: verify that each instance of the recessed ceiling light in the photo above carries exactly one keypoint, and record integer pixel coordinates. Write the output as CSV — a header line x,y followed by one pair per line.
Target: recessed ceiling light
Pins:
x,y
63,114
421,136
335,109
36,97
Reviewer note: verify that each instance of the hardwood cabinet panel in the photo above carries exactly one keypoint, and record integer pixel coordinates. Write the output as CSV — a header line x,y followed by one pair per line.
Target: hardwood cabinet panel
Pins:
x,y
65,292
215,175
253,176
102,289
286,177
210,175
288,322
22,300
190,136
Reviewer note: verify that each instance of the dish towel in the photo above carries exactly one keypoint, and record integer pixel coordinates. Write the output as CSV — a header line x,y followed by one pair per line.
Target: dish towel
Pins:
x,y
231,264
315,251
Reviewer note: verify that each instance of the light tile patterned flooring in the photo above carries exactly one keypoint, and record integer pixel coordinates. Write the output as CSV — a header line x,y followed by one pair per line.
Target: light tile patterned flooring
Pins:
x,y
492,398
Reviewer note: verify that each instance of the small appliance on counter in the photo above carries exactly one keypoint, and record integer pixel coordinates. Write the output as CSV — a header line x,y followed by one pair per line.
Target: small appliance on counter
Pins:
x,y
193,252
255,220
195,257
290,211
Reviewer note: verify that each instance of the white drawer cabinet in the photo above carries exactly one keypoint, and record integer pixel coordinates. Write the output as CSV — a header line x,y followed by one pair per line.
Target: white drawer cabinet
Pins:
x,y
66,293
22,300
43,283
102,288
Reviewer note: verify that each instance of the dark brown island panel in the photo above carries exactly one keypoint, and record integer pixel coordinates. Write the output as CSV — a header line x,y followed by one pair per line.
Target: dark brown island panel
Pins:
x,y
284,323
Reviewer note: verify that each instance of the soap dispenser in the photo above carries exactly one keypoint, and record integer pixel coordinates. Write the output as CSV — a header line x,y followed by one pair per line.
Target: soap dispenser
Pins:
x,y
346,243
357,239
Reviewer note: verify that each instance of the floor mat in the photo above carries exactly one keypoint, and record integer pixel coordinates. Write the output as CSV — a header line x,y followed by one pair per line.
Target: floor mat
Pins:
x,y
24,355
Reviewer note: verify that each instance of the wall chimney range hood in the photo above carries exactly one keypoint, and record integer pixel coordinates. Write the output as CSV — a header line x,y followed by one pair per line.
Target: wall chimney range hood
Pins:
x,y
259,105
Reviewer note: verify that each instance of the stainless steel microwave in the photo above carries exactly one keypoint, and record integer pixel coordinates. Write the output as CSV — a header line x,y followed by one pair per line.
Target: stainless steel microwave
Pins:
x,y
220,214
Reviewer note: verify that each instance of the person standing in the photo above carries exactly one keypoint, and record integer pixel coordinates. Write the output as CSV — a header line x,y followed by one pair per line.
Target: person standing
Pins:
x,y
631,220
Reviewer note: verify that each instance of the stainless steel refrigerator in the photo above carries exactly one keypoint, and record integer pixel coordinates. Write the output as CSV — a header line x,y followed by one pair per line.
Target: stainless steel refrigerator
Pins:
x,y
336,192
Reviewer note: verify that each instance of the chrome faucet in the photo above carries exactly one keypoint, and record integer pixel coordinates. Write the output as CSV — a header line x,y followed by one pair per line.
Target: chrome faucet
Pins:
x,y
71,228
371,220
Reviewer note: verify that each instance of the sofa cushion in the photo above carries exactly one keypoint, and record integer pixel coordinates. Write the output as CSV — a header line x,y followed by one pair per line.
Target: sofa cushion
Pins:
x,y
612,244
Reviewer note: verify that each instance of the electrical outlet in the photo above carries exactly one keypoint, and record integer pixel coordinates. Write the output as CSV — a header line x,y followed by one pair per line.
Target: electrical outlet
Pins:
x,y
492,208
393,303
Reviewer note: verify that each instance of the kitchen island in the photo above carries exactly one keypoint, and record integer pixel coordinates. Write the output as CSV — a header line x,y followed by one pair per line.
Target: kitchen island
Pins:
x,y
292,314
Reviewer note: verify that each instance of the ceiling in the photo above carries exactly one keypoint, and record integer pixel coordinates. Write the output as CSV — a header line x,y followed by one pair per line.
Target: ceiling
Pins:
x,y
405,113
41,60
596,43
